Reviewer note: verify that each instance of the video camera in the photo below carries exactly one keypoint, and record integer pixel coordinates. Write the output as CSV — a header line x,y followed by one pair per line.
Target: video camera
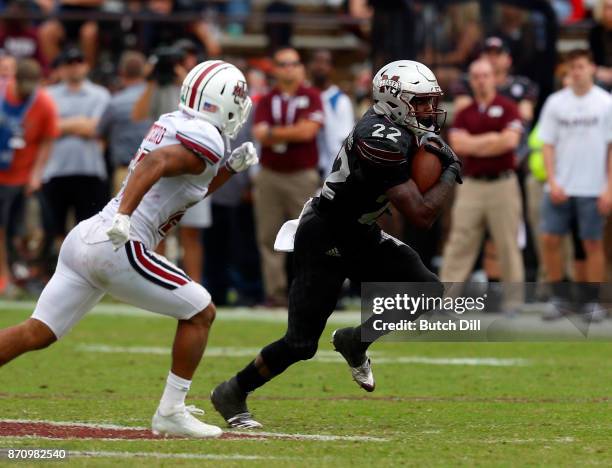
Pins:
x,y
164,60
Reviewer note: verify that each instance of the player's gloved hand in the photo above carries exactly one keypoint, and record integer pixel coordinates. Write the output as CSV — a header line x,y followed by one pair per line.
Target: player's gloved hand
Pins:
x,y
452,173
436,145
242,158
119,232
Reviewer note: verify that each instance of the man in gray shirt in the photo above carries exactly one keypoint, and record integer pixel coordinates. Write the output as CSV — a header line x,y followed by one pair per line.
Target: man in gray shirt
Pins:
x,y
122,134
75,175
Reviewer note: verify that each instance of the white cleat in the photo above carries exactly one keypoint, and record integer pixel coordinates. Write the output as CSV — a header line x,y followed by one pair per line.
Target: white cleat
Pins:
x,y
363,375
183,424
344,343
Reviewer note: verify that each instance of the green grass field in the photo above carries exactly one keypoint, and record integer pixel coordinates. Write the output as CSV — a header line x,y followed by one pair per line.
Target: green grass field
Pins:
x,y
541,404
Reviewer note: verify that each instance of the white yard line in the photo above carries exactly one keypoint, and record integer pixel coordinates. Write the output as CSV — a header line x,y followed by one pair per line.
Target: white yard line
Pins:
x,y
318,437
223,314
254,434
322,356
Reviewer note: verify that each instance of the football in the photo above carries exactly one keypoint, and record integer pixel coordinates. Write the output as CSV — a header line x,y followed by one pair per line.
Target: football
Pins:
x,y
426,169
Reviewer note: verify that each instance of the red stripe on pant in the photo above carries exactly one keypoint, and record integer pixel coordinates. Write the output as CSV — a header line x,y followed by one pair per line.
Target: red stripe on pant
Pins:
x,y
156,269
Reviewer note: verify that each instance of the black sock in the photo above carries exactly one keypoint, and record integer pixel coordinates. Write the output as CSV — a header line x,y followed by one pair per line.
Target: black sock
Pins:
x,y
249,378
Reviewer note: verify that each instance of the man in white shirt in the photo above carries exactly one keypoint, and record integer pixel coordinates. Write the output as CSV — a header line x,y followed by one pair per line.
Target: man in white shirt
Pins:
x,y
576,128
337,108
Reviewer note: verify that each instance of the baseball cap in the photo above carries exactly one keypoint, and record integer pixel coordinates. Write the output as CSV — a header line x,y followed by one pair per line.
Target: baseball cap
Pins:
x,y
495,43
71,55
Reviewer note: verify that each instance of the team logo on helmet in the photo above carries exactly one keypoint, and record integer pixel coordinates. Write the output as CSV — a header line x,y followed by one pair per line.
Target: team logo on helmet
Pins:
x,y
391,85
240,92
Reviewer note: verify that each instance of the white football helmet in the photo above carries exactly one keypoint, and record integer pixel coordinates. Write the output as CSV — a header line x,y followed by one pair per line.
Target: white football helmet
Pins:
x,y
216,91
395,88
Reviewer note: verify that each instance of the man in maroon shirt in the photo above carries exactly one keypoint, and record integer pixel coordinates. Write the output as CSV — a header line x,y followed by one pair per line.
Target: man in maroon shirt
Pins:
x,y
287,121
485,134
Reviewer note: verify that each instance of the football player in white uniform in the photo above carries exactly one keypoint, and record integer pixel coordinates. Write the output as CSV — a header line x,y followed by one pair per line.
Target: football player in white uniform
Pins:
x,y
179,162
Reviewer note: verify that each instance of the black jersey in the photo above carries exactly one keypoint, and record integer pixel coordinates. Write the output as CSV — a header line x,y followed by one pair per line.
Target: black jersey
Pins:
x,y
376,156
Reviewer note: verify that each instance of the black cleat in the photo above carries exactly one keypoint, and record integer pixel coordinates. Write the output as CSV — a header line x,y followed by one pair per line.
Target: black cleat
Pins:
x,y
359,362
230,402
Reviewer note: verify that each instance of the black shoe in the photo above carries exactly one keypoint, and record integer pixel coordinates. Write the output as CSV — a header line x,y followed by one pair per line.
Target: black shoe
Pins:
x,y
359,362
230,402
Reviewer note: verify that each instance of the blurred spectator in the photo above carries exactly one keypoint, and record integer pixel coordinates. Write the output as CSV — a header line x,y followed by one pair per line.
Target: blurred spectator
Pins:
x,y
452,45
519,35
520,89
8,66
28,124
286,124
123,135
279,33
54,34
485,134
18,37
576,128
162,93
164,33
600,41
75,175
337,108
389,23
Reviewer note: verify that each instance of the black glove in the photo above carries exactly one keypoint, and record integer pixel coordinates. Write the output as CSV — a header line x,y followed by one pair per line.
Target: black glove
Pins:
x,y
452,173
436,145
449,160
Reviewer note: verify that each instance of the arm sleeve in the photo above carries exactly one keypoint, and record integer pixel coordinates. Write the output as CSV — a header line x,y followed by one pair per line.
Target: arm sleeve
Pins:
x,y
548,124
100,105
202,139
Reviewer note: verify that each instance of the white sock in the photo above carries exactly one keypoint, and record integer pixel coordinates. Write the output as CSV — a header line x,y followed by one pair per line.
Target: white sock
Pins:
x,y
174,394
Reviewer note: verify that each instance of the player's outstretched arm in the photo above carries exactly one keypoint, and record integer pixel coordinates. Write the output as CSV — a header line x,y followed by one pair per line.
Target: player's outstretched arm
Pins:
x,y
423,209
169,161
241,159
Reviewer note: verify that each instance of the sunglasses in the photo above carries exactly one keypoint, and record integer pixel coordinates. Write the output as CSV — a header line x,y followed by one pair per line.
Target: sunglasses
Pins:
x,y
288,64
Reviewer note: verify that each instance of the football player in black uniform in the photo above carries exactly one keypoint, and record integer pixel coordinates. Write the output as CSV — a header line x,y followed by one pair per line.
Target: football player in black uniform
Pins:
x,y
338,238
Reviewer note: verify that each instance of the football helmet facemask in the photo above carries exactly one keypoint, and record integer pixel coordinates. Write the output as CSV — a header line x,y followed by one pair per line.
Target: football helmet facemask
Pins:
x,y
408,93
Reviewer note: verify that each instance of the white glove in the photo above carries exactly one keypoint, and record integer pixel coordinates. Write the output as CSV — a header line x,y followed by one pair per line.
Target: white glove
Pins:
x,y
119,233
242,158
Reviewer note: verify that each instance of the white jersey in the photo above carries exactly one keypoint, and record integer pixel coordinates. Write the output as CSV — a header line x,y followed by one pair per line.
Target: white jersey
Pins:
x,y
580,129
165,203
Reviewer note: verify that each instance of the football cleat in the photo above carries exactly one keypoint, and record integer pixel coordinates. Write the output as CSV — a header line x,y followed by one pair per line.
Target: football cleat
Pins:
x,y
230,402
183,424
358,361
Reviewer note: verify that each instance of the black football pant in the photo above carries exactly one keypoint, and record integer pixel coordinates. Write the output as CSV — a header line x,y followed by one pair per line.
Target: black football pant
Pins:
x,y
323,260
